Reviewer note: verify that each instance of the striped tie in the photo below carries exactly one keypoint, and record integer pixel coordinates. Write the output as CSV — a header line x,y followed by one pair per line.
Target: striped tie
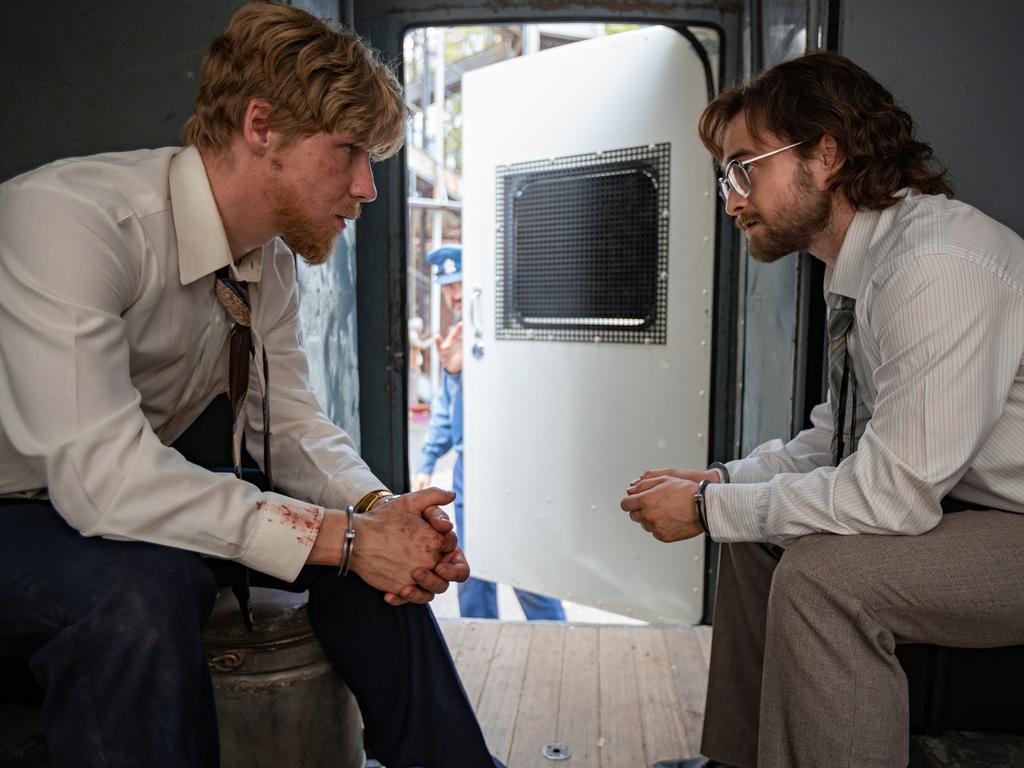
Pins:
x,y
841,377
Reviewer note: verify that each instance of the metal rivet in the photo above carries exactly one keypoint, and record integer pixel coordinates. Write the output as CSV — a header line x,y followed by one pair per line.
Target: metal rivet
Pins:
x,y
556,751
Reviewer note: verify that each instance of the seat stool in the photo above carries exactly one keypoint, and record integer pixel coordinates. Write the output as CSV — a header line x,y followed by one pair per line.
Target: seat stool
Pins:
x,y
279,700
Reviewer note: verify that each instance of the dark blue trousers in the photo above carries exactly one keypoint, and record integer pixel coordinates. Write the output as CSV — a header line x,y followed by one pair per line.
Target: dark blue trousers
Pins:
x,y
112,631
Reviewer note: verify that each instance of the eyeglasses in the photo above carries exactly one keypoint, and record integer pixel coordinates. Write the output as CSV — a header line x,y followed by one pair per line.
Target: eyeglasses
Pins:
x,y
734,176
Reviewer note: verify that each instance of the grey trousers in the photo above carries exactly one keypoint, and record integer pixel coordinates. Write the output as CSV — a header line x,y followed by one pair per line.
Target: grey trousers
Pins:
x,y
803,670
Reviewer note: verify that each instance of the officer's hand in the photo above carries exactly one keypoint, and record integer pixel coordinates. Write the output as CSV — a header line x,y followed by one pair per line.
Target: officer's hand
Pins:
x,y
449,349
420,481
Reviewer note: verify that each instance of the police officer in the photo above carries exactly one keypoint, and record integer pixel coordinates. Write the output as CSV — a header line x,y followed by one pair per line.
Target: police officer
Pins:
x,y
477,598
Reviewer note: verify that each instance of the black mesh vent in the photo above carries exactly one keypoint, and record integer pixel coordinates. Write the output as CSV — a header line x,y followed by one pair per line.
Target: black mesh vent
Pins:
x,y
582,247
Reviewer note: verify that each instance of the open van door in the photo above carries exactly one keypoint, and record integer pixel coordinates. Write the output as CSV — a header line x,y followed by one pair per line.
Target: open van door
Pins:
x,y
588,260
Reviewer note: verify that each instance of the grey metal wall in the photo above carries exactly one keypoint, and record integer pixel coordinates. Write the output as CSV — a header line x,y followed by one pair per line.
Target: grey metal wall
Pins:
x,y
79,78
958,67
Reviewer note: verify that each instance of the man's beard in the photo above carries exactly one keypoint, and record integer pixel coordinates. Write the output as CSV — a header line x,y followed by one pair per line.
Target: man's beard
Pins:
x,y
313,242
799,221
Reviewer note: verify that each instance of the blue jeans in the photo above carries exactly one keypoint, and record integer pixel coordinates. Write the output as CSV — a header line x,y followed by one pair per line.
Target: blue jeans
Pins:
x,y
478,599
112,632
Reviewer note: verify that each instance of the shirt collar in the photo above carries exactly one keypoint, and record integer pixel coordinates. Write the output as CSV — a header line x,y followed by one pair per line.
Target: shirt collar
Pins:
x,y
854,264
202,242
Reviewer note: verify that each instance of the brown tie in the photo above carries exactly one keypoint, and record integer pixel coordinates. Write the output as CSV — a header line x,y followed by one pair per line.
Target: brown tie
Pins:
x,y
234,297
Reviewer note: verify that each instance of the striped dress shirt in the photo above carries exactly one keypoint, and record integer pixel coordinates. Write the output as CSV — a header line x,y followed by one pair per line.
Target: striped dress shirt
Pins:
x,y
937,347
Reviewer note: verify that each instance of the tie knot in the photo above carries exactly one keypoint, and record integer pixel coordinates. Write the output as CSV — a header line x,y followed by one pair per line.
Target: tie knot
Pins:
x,y
234,297
840,316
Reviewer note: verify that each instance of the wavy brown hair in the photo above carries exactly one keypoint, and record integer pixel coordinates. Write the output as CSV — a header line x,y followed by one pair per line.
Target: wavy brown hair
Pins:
x,y
825,93
316,76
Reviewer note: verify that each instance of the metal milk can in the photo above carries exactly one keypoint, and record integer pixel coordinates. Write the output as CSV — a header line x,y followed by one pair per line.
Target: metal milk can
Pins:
x,y
279,702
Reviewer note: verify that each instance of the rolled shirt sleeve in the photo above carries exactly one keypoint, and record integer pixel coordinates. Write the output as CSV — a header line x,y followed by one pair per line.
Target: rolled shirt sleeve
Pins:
x,y
68,273
950,334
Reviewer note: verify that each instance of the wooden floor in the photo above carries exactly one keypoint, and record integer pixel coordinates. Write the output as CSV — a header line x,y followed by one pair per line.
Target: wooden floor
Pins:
x,y
619,697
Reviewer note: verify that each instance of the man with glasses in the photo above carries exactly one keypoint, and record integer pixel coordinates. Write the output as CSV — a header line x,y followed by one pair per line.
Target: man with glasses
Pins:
x,y
843,542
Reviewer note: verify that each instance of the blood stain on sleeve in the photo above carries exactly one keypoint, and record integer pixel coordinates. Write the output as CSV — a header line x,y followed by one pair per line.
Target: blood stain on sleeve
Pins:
x,y
303,520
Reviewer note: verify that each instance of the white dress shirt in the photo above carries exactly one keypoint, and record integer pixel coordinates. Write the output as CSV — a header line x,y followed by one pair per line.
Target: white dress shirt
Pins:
x,y
937,346
113,342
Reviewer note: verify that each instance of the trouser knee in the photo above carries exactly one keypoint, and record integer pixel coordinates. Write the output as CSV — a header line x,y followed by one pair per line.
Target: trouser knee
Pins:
x,y
807,582
158,601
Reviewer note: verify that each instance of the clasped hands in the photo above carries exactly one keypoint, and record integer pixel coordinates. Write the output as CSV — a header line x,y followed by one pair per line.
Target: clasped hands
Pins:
x,y
406,548
661,502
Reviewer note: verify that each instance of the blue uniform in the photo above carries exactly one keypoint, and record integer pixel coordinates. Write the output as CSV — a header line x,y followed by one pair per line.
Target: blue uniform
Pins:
x,y
477,598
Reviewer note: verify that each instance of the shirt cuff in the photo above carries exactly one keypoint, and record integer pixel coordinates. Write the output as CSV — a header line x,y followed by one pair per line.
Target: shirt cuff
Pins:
x,y
286,530
732,511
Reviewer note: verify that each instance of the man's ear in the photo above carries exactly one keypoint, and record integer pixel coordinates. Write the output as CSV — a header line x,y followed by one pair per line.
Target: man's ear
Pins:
x,y
825,161
830,155
256,126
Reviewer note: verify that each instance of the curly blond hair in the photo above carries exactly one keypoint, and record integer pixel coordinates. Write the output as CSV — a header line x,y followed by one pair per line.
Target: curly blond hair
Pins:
x,y
318,78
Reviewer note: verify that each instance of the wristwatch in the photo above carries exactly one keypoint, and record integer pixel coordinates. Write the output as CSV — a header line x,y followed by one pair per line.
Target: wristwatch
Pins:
x,y
372,499
698,504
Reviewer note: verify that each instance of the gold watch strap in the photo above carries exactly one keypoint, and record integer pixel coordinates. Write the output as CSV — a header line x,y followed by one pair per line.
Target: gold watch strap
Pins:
x,y
371,500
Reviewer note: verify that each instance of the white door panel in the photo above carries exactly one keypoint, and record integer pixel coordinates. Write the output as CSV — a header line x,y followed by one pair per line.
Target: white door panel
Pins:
x,y
555,429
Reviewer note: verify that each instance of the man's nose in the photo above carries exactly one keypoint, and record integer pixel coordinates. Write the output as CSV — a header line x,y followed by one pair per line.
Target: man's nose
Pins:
x,y
735,203
362,187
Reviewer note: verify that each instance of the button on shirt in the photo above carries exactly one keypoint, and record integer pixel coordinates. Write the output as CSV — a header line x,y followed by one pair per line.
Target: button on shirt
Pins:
x,y
114,342
938,344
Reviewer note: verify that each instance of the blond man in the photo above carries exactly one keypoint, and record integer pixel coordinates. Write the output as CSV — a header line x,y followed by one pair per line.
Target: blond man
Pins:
x,y
125,282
